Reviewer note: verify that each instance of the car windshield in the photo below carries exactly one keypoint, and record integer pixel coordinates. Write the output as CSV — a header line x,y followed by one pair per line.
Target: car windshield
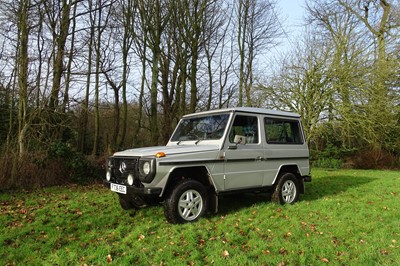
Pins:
x,y
201,128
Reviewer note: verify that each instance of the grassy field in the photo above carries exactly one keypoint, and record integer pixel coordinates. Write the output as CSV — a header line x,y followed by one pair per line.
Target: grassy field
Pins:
x,y
346,217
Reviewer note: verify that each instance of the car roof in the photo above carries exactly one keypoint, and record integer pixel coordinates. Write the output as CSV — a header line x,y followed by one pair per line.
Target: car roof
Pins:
x,y
253,110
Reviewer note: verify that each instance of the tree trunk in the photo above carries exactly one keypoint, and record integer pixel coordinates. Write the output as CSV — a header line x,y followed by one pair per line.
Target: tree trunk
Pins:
x,y
70,59
23,40
243,11
97,81
58,67
153,94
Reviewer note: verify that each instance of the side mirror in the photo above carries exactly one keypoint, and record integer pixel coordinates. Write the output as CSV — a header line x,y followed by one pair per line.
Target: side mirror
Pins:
x,y
239,139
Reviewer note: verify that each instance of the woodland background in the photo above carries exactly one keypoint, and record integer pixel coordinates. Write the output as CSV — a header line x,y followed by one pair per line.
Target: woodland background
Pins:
x,y
80,79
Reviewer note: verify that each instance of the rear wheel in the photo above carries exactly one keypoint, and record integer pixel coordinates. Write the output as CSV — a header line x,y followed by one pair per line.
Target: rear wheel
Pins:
x,y
287,189
187,202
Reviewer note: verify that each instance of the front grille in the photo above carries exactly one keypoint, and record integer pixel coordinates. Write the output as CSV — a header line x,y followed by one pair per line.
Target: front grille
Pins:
x,y
121,167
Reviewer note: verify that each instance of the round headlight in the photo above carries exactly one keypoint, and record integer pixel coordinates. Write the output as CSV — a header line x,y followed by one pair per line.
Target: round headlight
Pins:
x,y
146,168
108,175
130,179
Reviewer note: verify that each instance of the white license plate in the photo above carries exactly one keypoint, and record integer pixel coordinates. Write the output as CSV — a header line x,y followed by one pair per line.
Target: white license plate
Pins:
x,y
118,188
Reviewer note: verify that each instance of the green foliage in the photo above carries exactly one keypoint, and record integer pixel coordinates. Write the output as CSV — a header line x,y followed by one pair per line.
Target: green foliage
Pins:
x,y
330,156
328,163
63,225
79,168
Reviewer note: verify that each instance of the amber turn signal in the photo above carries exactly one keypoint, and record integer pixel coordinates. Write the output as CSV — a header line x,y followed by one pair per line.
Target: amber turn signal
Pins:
x,y
160,154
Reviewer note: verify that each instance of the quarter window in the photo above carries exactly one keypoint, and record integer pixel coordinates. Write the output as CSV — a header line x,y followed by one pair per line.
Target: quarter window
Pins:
x,y
280,131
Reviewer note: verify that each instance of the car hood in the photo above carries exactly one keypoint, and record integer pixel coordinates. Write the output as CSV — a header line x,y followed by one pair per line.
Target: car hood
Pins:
x,y
168,150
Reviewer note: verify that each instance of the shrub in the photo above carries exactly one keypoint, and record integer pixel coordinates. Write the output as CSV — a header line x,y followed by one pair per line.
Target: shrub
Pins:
x,y
370,158
31,171
328,163
80,168
59,165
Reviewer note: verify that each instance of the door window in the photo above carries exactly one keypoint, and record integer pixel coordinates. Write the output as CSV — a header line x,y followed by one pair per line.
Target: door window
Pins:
x,y
245,126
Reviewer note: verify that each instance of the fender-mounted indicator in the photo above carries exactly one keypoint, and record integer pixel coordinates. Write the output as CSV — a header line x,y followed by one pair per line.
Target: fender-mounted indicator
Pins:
x,y
160,154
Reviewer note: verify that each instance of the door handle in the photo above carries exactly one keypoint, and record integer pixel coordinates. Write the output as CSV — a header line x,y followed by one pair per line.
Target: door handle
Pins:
x,y
259,158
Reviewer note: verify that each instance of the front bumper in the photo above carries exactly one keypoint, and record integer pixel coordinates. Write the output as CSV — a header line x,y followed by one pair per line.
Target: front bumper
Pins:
x,y
132,190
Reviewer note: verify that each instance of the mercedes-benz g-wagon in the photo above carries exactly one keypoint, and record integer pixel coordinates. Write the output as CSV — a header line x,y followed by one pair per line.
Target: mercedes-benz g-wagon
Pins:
x,y
212,153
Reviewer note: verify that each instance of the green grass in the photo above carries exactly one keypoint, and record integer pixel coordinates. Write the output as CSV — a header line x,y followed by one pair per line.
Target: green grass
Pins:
x,y
346,217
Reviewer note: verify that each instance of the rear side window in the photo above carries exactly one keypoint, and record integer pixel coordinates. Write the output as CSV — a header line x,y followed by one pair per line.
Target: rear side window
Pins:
x,y
279,131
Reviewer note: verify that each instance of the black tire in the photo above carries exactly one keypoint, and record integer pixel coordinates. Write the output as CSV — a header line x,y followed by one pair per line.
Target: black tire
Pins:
x,y
286,190
187,202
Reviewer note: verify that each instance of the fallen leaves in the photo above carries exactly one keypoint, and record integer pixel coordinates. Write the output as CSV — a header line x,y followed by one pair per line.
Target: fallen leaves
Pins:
x,y
324,260
384,252
283,251
225,253
288,234
335,241
201,243
266,252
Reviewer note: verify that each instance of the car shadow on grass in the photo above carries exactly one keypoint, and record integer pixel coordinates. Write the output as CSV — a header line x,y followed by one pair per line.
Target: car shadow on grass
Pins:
x,y
331,185
231,203
321,187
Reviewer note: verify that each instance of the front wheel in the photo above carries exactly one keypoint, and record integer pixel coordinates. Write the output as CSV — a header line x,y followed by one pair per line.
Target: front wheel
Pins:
x,y
287,190
187,202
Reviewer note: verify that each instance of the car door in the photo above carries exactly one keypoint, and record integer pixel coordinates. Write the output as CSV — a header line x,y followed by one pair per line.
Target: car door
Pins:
x,y
244,165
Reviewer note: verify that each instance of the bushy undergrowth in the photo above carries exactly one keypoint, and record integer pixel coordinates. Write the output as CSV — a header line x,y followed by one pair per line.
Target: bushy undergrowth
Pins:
x,y
330,157
335,157
370,158
57,166
328,163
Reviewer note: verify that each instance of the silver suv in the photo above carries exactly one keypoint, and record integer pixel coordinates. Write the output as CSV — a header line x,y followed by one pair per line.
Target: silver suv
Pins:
x,y
210,154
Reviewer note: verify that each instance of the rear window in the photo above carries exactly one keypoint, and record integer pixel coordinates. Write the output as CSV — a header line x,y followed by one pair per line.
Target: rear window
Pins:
x,y
279,131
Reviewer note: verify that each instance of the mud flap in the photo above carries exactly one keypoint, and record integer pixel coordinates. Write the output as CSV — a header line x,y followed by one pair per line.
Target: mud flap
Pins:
x,y
213,201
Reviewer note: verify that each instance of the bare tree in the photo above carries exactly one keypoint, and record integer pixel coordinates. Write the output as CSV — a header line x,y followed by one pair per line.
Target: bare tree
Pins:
x,y
140,39
155,15
127,42
218,23
58,15
257,29
22,61
101,20
192,22
70,59
84,116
